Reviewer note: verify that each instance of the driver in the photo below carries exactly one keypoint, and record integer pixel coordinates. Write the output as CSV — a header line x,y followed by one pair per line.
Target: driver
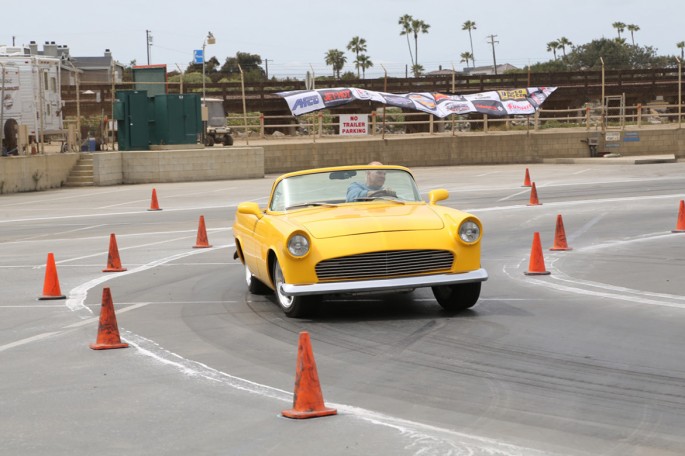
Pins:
x,y
375,178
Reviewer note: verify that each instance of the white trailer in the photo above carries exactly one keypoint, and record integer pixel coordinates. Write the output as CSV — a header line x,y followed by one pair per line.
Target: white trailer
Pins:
x,y
30,95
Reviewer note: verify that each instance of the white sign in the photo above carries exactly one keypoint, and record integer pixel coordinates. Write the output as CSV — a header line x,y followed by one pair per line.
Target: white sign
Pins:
x,y
354,124
612,136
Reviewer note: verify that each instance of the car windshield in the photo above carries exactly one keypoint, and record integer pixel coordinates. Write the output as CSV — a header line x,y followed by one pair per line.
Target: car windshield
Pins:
x,y
344,186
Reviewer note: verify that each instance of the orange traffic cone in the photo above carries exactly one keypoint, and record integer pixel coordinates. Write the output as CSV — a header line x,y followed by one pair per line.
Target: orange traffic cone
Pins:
x,y
201,242
113,260
154,205
108,331
560,236
680,225
534,196
536,266
308,400
526,180
51,288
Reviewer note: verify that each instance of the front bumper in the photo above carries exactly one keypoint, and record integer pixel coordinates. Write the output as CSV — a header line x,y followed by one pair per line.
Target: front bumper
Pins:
x,y
359,286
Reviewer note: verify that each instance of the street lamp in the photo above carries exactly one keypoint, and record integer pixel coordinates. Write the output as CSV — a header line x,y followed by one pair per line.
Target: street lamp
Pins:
x,y
209,40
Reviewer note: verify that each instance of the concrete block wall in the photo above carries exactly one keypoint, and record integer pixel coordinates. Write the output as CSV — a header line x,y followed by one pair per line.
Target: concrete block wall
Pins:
x,y
41,172
136,167
35,172
108,168
463,149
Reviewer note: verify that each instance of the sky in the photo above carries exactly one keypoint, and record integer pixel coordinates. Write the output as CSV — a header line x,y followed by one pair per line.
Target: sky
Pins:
x,y
294,37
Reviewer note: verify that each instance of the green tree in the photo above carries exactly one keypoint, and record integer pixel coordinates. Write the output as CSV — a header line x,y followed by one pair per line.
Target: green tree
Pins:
x,y
405,21
418,26
681,45
250,63
190,78
551,66
552,46
632,28
211,66
417,70
616,56
470,25
563,42
465,57
363,62
620,27
336,59
357,45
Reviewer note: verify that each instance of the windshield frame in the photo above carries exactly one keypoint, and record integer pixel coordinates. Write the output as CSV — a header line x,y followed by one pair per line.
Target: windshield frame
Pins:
x,y
328,187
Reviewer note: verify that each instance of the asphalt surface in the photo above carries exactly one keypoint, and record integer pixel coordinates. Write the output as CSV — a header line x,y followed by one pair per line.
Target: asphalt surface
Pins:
x,y
588,360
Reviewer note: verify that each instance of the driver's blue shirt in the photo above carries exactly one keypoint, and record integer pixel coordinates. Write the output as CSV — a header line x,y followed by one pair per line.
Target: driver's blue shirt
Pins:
x,y
358,190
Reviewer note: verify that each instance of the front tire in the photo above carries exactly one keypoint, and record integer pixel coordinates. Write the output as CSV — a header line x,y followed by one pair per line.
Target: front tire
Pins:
x,y
254,285
292,306
455,298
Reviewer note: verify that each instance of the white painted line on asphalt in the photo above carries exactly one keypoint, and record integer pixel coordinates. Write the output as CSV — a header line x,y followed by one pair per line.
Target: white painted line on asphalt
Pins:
x,y
28,340
92,320
31,306
136,202
77,295
80,197
513,195
586,287
578,202
118,214
425,439
582,171
575,234
171,196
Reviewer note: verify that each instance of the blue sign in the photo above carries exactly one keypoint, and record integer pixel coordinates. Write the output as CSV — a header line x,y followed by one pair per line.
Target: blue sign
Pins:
x,y
631,136
198,56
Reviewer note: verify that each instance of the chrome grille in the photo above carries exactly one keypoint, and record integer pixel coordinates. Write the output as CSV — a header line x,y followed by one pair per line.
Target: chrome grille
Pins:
x,y
392,263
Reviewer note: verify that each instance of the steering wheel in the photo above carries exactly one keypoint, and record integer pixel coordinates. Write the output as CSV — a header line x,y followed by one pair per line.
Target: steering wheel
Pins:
x,y
382,192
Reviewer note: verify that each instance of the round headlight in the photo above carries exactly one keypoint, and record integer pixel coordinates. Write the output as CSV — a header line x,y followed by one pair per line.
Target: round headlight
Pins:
x,y
298,245
469,231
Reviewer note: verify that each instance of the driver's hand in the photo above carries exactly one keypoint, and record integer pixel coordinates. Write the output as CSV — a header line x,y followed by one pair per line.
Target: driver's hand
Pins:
x,y
382,192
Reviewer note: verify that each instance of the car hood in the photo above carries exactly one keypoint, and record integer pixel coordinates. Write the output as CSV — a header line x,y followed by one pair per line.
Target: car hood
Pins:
x,y
327,222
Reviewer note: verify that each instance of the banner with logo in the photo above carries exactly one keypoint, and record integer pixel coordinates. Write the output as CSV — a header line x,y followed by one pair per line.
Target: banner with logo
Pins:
x,y
494,103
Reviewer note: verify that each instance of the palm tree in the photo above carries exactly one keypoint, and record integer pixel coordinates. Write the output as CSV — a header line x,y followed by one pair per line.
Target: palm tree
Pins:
x,y
418,26
552,46
470,25
633,28
336,58
620,27
563,42
363,61
417,70
405,21
681,45
465,57
357,45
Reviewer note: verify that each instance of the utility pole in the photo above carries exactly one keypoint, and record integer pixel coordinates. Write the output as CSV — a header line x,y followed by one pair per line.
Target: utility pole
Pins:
x,y
13,38
493,42
266,63
148,38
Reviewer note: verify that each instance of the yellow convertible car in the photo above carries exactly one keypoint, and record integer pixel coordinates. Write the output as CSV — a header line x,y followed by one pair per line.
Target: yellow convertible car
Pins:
x,y
357,229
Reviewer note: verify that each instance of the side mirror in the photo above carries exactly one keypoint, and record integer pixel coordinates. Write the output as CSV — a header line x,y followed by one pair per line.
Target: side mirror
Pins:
x,y
250,209
437,195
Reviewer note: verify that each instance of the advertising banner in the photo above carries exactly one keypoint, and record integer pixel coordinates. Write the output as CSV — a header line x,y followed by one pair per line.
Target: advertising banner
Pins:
x,y
494,103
